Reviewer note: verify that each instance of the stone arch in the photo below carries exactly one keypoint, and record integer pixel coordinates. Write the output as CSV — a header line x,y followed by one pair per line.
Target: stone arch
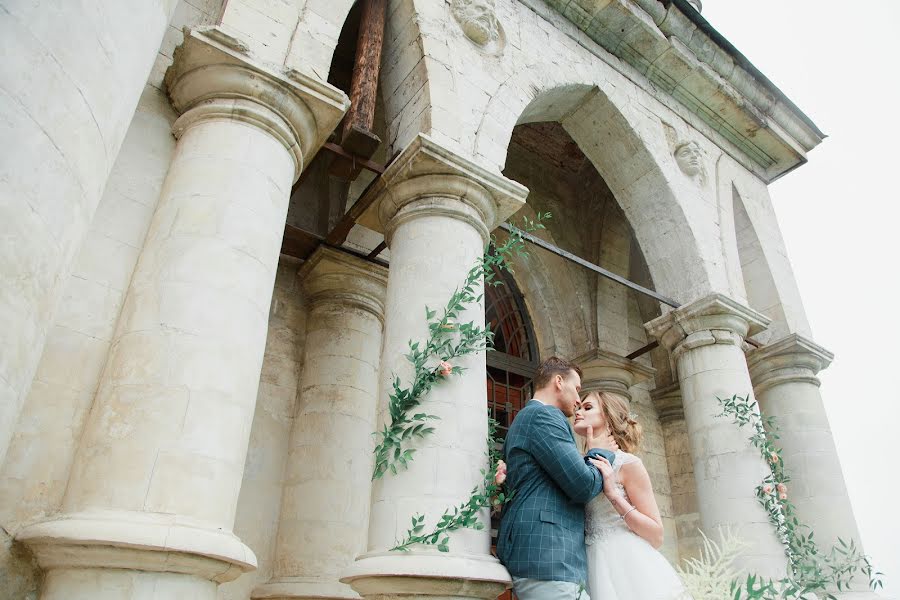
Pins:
x,y
559,323
630,153
756,257
316,35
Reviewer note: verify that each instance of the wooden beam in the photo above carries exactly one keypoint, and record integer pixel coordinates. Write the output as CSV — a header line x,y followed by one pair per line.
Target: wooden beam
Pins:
x,y
364,85
299,243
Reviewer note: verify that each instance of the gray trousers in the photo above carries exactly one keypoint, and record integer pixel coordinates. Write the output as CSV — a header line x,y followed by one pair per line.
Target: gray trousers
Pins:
x,y
535,589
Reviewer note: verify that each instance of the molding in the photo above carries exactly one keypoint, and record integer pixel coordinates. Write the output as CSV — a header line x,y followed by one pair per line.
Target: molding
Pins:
x,y
136,540
420,574
792,359
427,179
682,56
333,276
609,372
211,68
303,588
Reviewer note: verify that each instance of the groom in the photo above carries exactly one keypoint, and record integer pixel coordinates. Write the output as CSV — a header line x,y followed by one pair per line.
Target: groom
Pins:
x,y
541,535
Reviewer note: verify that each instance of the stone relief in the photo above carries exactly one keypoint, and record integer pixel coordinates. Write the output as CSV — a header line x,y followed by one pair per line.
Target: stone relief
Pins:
x,y
689,157
478,21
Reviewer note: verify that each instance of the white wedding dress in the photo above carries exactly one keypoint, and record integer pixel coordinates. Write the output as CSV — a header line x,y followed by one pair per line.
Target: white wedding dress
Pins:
x,y
621,565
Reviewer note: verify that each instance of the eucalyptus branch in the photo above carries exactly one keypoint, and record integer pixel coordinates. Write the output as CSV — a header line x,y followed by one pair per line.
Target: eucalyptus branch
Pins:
x,y
812,572
432,360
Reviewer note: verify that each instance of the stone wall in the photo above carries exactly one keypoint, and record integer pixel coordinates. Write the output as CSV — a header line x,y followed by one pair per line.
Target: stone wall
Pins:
x,y
259,504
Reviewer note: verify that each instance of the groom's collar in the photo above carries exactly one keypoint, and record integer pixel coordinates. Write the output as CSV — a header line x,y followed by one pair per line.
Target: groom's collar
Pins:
x,y
539,401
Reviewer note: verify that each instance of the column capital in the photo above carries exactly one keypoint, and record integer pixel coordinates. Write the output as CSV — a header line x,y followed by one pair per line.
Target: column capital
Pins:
x,y
213,77
428,179
792,358
668,403
608,372
714,319
331,275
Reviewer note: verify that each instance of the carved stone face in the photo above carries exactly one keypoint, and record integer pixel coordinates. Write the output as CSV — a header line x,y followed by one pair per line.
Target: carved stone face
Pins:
x,y
477,19
689,157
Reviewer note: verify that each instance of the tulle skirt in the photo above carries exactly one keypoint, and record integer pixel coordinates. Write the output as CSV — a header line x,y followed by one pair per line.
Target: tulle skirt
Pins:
x,y
622,566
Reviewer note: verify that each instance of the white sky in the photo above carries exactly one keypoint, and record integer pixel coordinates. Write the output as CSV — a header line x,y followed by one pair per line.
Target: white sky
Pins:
x,y
838,61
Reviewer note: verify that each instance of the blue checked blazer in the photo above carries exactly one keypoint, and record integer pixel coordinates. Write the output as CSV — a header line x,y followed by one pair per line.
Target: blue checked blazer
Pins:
x,y
541,534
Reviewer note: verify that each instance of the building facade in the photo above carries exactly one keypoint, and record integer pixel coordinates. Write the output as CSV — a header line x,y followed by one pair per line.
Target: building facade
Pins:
x,y
209,279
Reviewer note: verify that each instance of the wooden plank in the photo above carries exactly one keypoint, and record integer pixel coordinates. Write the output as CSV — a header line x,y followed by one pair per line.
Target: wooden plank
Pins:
x,y
364,85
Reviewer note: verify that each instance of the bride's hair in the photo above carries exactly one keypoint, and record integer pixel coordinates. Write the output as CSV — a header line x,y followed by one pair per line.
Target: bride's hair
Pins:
x,y
627,432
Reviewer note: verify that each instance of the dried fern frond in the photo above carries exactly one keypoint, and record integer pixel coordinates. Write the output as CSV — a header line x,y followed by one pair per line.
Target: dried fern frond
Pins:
x,y
709,577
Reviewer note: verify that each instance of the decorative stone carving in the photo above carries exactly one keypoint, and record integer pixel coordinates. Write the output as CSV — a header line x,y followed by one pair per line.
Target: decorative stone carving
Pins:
x,y
689,157
478,20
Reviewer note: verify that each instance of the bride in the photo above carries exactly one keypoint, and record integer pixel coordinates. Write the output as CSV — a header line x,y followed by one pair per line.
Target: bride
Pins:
x,y
623,528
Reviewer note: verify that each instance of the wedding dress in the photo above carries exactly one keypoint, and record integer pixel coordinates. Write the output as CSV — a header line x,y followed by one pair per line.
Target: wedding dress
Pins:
x,y
622,565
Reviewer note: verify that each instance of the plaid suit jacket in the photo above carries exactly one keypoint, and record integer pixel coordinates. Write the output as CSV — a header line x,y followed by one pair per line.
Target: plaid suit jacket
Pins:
x,y
541,534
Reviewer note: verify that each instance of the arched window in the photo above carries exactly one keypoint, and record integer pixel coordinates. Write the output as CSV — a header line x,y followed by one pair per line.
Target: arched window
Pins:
x,y
512,363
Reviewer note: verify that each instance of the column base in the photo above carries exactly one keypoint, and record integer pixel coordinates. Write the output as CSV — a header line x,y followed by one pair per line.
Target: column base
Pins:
x,y
138,541
431,576
303,588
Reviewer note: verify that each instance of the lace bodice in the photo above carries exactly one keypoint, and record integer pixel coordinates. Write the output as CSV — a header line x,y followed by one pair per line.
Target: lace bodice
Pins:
x,y
600,518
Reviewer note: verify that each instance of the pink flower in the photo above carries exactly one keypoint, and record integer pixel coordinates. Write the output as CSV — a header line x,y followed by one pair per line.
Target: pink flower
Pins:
x,y
767,489
782,491
774,457
449,326
445,368
500,473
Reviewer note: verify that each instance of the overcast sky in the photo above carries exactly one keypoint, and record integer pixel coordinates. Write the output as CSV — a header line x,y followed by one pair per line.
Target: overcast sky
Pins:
x,y
838,61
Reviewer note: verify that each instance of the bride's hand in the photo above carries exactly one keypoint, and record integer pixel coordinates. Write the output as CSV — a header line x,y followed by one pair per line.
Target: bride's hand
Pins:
x,y
604,440
610,489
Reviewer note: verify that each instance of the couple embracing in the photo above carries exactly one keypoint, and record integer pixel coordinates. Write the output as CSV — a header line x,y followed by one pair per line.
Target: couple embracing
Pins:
x,y
583,521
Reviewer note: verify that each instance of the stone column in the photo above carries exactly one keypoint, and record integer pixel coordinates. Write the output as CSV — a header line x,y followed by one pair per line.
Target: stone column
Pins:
x,y
325,504
608,372
786,387
437,210
670,409
151,500
70,80
705,339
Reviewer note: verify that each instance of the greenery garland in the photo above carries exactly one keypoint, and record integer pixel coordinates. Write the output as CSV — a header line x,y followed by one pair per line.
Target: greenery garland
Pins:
x,y
811,571
432,362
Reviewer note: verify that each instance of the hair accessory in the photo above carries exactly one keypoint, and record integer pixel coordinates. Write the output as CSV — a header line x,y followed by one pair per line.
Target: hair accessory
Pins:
x,y
633,416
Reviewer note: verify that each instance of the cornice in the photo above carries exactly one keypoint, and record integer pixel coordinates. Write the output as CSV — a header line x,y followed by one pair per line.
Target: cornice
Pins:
x,y
680,54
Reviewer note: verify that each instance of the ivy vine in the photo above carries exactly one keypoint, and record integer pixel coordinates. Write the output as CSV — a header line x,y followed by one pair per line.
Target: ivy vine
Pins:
x,y
811,570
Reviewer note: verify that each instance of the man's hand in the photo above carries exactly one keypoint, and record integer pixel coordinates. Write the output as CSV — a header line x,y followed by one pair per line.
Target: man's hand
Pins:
x,y
604,440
